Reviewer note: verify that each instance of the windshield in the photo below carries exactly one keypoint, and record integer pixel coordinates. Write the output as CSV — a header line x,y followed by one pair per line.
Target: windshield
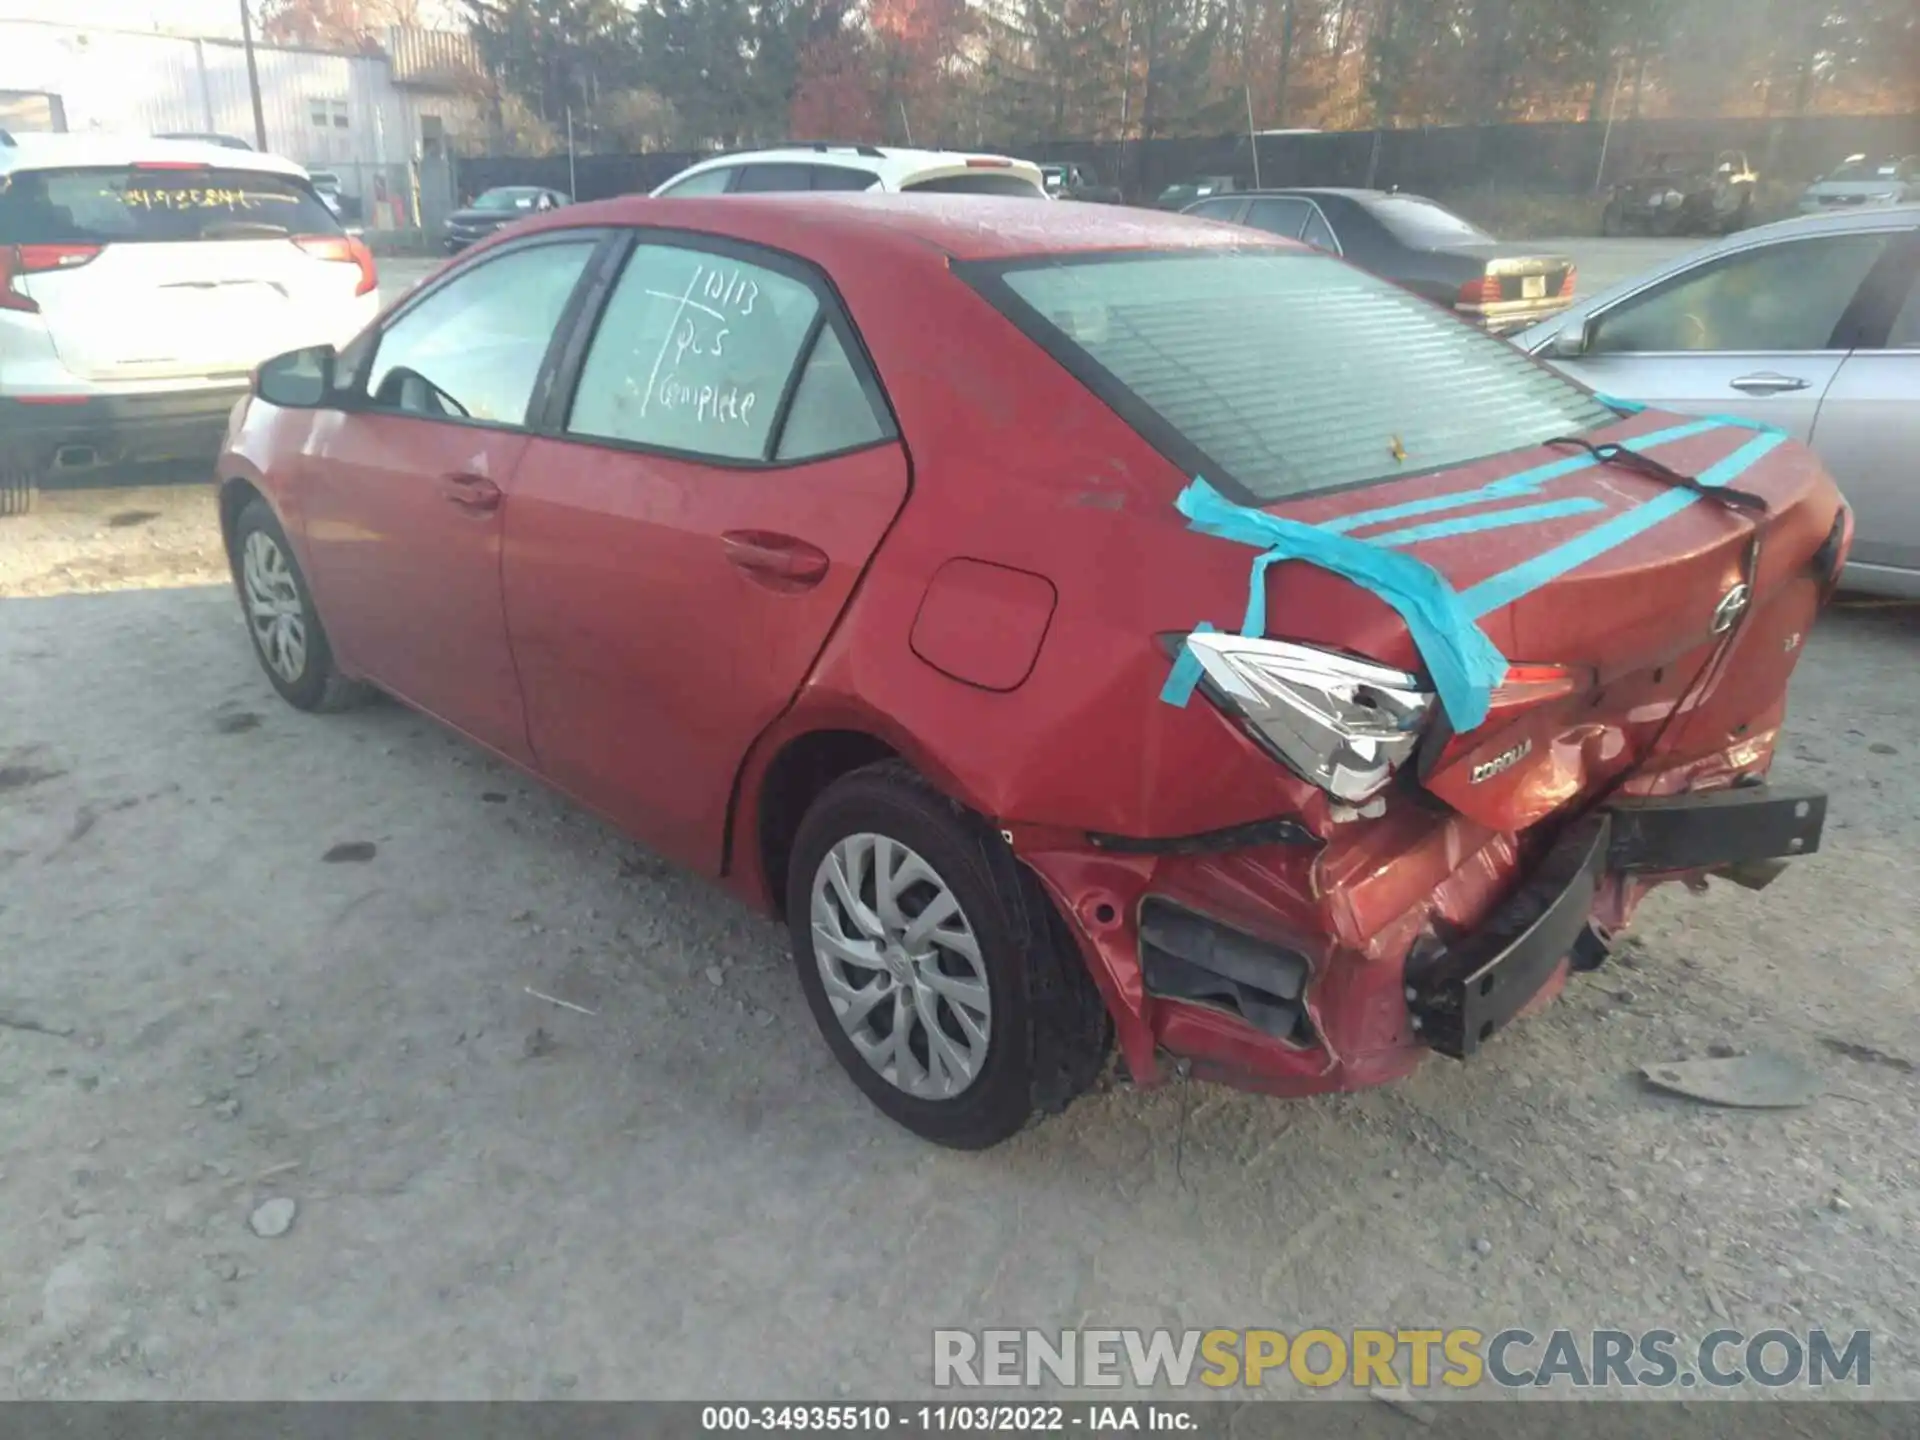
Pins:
x,y
1888,169
100,206
1415,221
978,182
513,198
1282,373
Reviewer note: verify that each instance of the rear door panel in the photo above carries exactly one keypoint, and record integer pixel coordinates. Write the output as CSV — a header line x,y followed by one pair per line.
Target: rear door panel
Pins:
x,y
1868,433
650,662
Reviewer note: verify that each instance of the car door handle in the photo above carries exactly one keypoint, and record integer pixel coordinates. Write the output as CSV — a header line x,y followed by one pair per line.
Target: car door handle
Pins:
x,y
471,492
781,560
1768,383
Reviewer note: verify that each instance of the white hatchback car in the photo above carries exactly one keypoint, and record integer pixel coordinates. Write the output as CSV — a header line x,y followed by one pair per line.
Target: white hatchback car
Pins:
x,y
858,167
141,280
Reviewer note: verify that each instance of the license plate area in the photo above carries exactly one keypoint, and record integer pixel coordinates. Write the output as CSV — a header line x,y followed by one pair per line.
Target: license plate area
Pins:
x,y
1533,287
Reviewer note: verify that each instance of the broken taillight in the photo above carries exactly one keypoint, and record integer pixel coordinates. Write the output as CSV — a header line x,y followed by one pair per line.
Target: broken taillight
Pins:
x,y
1525,685
19,261
1342,723
348,250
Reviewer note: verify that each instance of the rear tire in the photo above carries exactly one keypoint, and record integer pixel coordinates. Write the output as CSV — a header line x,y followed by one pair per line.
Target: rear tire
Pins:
x,y
288,638
962,1030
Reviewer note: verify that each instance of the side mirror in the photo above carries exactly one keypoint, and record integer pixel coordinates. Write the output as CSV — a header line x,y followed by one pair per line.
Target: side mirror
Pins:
x,y
1572,342
297,380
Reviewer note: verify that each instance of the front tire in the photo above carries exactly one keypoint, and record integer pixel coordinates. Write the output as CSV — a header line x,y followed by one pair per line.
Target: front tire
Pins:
x,y
934,964
288,638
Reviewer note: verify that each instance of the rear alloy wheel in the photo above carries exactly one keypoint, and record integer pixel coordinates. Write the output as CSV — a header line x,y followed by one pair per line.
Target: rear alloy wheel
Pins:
x,y
933,963
286,630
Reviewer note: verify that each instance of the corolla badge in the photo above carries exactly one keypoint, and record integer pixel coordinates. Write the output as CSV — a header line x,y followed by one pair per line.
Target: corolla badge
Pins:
x,y
1500,763
1731,607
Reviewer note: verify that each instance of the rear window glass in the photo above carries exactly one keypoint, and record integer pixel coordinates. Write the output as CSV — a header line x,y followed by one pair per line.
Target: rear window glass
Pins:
x,y
1281,372
1421,222
121,205
979,182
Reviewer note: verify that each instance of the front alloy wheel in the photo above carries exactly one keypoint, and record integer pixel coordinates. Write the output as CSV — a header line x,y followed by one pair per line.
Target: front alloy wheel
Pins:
x,y
274,609
901,966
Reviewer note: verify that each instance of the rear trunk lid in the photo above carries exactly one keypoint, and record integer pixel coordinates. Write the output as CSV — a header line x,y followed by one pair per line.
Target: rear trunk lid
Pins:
x,y
1648,627
175,271
1516,274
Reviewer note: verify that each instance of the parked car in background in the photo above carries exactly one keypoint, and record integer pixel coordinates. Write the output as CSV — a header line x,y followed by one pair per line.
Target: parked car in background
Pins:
x,y
1811,325
225,142
141,281
1683,194
884,614
1071,181
1414,242
1888,180
502,205
1183,193
821,166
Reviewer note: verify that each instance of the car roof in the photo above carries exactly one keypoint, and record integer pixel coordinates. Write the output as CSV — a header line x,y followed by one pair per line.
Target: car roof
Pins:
x,y
890,163
820,225
45,152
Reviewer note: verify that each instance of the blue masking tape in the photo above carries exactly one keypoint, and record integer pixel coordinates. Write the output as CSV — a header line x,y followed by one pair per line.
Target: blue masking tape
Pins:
x,y
1488,520
1527,482
1530,575
1185,674
1619,406
1464,664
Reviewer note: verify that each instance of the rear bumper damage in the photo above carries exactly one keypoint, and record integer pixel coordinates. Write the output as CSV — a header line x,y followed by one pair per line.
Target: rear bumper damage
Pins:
x,y
1296,969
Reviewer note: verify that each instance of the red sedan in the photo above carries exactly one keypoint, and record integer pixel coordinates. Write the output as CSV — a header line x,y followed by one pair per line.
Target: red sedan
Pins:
x,y
1076,625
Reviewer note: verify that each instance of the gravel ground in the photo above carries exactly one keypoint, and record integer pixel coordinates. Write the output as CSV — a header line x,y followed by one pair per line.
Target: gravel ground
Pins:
x,y
497,1196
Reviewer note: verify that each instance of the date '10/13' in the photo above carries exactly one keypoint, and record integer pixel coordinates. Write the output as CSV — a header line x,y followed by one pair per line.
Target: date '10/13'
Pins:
x,y
699,334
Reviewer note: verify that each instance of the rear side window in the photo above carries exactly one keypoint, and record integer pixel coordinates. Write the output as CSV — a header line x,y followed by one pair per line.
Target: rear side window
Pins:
x,y
1284,216
121,205
1279,373
831,410
1784,297
978,182
693,353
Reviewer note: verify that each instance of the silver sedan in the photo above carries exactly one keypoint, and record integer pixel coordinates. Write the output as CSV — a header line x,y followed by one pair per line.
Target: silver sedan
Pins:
x,y
1812,325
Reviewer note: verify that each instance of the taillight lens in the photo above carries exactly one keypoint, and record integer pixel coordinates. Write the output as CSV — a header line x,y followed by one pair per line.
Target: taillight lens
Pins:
x,y
1525,685
1342,723
19,261
1483,291
1567,282
348,250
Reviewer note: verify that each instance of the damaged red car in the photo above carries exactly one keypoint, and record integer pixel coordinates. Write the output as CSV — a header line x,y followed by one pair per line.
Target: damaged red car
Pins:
x,y
1078,627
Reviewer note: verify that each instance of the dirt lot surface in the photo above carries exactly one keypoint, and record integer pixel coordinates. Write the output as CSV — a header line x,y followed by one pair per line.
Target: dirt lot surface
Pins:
x,y
251,955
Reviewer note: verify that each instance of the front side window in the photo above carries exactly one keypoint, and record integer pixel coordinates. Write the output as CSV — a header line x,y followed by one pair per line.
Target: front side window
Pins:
x,y
707,182
1282,372
472,349
121,205
693,353
1785,297
773,179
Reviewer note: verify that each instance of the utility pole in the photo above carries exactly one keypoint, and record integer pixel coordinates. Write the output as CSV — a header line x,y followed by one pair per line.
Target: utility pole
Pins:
x,y
253,78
